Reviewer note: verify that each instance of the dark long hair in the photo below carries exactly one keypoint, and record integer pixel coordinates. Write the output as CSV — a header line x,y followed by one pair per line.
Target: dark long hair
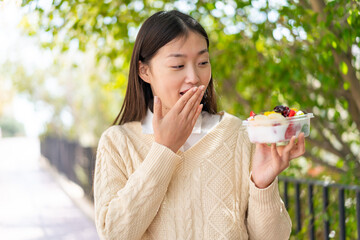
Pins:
x,y
157,31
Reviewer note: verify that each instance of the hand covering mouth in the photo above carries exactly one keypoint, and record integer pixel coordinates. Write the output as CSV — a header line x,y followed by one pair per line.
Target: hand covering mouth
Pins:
x,y
183,92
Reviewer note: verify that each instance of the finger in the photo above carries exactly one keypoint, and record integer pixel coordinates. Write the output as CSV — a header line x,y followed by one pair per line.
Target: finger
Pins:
x,y
281,161
194,108
157,109
201,95
301,142
181,103
280,150
274,153
300,147
288,148
198,111
191,104
290,145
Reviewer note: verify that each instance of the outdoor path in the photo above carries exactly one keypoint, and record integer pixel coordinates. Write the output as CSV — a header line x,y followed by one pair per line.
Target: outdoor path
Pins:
x,y
32,203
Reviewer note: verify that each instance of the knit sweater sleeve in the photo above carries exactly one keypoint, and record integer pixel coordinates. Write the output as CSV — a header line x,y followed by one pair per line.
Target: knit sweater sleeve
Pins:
x,y
126,205
267,216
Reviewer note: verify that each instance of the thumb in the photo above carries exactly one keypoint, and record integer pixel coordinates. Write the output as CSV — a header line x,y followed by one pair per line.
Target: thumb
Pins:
x,y
157,109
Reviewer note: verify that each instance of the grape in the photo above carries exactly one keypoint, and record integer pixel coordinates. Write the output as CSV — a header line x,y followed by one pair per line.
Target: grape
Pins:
x,y
284,110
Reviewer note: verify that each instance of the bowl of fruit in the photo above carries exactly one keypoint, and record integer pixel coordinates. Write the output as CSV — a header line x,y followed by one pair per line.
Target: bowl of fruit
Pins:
x,y
278,125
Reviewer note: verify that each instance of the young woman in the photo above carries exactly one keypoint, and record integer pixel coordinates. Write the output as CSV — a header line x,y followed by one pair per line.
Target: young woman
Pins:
x,y
172,167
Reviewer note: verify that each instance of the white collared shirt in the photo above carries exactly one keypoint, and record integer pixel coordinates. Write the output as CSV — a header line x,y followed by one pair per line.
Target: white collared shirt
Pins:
x,y
203,125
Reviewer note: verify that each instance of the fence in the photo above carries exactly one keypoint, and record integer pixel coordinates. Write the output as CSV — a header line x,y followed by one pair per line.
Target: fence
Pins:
x,y
317,209
71,159
331,208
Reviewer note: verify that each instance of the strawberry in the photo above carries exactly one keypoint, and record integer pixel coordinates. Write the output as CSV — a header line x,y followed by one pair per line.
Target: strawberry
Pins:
x,y
252,114
291,130
291,113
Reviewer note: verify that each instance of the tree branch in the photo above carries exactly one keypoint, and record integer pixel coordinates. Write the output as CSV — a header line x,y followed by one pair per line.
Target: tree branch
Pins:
x,y
341,154
318,7
326,146
350,77
304,4
323,163
341,93
346,150
354,112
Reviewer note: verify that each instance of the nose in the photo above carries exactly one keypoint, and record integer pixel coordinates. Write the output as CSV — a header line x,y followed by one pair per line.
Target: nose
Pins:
x,y
192,76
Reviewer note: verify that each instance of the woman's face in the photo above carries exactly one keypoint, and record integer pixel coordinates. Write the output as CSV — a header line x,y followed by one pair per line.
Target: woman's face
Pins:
x,y
177,66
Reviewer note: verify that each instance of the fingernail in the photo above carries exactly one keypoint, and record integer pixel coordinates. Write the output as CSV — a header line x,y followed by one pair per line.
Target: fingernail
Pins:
x,y
194,89
156,99
202,87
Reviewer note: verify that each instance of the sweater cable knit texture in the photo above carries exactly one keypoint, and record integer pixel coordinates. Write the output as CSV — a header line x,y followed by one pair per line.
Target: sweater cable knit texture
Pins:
x,y
143,190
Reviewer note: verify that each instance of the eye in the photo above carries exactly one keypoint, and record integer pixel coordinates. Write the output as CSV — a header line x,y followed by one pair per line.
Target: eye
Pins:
x,y
178,66
204,63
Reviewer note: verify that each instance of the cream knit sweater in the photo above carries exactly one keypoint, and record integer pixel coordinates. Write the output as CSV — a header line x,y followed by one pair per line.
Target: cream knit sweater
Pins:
x,y
143,190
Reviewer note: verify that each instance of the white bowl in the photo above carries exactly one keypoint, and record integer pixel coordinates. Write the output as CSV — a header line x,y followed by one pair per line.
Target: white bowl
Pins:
x,y
278,130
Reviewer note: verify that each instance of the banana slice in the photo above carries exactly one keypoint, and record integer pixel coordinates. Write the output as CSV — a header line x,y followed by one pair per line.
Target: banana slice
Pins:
x,y
260,118
275,116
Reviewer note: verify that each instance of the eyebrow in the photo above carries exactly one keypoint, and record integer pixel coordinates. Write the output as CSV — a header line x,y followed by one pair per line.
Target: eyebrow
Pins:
x,y
184,55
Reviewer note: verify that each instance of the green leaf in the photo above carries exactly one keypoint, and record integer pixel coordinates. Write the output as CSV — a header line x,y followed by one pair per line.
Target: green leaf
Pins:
x,y
346,85
250,64
259,45
344,68
349,20
334,45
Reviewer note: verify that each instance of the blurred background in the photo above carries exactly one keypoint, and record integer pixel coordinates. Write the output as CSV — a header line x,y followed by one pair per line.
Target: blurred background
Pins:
x,y
63,76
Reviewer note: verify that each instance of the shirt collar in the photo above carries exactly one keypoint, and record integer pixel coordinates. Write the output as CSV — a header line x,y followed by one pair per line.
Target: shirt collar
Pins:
x,y
147,127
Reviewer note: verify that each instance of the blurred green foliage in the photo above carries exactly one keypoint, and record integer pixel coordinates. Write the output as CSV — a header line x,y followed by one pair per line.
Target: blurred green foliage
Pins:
x,y
303,54
9,127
